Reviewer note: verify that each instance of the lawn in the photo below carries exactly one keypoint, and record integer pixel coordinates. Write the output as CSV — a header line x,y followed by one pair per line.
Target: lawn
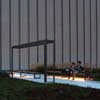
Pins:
x,y
13,89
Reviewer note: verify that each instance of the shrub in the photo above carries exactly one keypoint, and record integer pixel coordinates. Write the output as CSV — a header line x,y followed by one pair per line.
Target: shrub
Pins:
x,y
3,73
51,68
40,68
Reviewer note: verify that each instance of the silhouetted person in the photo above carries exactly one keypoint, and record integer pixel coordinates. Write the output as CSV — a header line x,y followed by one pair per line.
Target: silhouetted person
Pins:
x,y
87,72
79,68
72,70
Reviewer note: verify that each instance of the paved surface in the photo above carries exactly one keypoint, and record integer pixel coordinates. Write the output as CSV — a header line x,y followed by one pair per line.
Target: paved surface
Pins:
x,y
63,80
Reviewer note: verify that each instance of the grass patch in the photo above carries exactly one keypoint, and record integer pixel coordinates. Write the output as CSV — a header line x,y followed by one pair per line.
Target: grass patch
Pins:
x,y
14,89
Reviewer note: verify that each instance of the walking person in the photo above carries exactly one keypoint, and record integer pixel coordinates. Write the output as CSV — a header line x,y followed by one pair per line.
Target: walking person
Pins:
x,y
79,68
72,70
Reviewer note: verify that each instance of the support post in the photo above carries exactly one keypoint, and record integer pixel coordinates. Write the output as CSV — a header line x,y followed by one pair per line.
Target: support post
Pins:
x,y
11,64
45,63
54,62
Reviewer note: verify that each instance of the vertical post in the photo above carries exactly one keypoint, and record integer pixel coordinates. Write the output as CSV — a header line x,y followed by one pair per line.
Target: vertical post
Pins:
x,y
70,31
45,63
0,34
37,29
11,64
54,49
54,62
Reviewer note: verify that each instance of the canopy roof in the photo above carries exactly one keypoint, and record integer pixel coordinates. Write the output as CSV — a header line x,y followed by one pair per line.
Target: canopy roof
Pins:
x,y
32,44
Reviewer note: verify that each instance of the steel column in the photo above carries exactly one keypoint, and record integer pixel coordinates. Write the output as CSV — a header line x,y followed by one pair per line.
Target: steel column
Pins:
x,y
11,64
45,63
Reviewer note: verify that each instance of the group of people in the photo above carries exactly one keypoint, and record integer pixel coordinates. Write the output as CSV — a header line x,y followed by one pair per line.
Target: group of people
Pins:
x,y
74,68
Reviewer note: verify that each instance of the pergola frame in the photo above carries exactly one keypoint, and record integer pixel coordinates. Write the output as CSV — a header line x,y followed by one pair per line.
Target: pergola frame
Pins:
x,y
34,44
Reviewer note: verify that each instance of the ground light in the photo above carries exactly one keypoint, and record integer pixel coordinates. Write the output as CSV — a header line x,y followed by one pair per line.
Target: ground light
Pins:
x,y
15,74
81,82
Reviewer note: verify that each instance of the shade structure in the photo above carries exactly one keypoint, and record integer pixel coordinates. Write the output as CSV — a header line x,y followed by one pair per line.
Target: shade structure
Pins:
x,y
33,44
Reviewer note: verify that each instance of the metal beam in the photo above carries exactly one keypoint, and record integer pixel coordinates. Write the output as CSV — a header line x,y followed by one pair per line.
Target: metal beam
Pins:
x,y
33,44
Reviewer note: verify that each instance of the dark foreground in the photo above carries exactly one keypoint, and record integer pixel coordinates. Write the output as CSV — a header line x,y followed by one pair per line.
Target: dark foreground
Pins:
x,y
13,89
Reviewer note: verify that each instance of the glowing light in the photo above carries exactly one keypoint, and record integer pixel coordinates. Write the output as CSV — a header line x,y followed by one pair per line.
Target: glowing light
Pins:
x,y
23,76
71,78
26,76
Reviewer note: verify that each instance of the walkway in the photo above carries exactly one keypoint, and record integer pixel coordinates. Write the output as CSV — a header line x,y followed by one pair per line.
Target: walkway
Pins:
x,y
63,80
